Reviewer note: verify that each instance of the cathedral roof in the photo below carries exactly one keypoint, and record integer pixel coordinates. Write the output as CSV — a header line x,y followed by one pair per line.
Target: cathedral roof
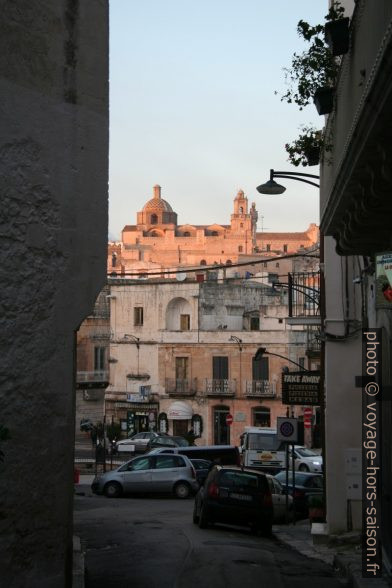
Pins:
x,y
157,203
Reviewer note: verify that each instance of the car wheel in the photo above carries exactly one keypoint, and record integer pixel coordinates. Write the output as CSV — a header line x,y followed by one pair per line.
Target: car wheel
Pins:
x,y
203,519
182,490
303,468
112,490
195,516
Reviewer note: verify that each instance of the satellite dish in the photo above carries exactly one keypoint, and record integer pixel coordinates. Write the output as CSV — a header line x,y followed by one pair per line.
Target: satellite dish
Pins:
x,y
181,276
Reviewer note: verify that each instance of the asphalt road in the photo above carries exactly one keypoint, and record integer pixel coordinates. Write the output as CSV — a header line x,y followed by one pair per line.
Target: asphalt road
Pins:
x,y
138,542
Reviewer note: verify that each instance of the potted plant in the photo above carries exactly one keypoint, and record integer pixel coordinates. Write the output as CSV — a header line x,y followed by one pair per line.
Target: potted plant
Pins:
x,y
316,508
337,34
314,71
306,150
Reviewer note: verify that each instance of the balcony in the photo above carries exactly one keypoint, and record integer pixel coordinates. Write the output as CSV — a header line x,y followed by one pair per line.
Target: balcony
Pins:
x,y
95,379
181,387
260,389
304,298
219,388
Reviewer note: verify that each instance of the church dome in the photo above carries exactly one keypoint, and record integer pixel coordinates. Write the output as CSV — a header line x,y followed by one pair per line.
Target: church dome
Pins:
x,y
157,203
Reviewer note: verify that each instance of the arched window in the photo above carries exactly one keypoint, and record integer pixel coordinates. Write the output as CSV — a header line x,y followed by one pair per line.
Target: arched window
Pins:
x,y
114,259
154,219
187,234
214,233
261,416
240,248
154,234
203,262
241,209
229,262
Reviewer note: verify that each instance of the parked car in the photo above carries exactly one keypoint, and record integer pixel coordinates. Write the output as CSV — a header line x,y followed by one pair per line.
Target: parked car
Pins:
x,y
279,495
219,454
139,441
235,496
145,474
167,441
306,484
307,460
202,467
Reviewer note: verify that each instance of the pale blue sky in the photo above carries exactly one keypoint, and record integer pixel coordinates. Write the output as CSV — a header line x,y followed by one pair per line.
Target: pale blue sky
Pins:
x,y
192,108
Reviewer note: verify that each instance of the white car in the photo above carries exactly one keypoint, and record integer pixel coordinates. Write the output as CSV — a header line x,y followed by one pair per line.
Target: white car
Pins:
x,y
307,460
137,442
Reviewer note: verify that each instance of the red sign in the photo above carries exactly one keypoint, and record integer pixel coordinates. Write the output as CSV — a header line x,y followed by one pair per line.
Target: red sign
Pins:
x,y
308,414
229,419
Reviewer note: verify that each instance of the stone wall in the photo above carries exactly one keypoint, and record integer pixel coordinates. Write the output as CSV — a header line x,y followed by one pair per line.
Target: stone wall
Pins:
x,y
53,166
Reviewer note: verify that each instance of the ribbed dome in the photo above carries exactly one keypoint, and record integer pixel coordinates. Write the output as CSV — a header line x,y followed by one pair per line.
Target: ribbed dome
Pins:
x,y
158,204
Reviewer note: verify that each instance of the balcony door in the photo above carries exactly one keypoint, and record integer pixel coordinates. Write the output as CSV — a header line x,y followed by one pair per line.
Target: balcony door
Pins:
x,y
260,369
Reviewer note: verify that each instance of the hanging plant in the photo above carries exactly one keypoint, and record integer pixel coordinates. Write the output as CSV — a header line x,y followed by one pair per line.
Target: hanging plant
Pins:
x,y
307,149
315,68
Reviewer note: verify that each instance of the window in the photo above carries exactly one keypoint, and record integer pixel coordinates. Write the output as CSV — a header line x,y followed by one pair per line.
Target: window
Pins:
x,y
265,264
260,368
268,247
203,262
214,233
241,210
220,368
301,361
187,234
262,418
114,259
254,323
99,359
169,461
138,316
181,368
240,248
285,248
185,322
277,264
229,262
154,219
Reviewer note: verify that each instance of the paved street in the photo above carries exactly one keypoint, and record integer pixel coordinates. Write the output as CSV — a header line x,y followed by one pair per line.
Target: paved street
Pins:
x,y
152,542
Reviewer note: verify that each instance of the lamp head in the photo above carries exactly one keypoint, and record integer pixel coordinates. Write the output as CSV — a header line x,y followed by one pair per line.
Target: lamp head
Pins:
x,y
260,352
271,187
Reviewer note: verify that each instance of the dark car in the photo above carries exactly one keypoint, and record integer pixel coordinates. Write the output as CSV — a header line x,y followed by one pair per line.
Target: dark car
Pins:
x,y
218,454
202,467
306,484
167,441
235,496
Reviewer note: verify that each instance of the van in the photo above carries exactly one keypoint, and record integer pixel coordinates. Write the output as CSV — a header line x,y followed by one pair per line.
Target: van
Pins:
x,y
219,454
261,449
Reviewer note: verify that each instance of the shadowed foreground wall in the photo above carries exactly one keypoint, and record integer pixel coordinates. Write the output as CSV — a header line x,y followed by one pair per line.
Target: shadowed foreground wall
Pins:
x,y
53,235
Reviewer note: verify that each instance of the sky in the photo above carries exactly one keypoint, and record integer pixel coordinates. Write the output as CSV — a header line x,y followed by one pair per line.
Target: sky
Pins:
x,y
193,108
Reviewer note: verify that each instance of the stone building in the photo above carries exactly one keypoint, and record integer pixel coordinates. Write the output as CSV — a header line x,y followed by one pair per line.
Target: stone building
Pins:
x,y
54,178
182,355
157,241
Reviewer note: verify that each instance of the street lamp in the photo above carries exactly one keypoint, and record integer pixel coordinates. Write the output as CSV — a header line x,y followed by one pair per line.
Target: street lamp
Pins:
x,y
271,187
262,351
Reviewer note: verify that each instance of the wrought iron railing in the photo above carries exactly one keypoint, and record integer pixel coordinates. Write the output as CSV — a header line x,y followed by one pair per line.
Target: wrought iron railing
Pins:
x,y
260,388
220,387
304,294
95,376
181,386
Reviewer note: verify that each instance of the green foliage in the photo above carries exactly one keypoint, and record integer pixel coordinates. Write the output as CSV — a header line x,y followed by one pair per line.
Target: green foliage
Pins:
x,y
314,68
309,145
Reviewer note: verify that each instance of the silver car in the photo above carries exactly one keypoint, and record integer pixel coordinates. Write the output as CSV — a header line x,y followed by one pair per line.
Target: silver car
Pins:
x,y
155,473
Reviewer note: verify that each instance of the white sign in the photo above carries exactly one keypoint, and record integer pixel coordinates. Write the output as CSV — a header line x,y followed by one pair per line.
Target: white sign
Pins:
x,y
287,429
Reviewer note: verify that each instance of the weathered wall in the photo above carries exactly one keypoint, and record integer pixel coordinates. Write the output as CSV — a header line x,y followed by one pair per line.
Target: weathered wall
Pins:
x,y
53,166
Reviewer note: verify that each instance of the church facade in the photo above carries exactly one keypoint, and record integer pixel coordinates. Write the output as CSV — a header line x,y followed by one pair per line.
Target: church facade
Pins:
x,y
157,241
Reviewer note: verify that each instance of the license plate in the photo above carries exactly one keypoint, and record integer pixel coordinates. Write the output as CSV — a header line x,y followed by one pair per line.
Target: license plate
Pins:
x,y
240,496
265,456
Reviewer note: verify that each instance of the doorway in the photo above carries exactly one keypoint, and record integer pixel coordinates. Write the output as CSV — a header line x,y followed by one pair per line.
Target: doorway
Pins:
x,y
221,429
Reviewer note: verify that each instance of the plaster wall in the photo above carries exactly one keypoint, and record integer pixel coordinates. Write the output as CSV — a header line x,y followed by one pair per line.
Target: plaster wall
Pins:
x,y
343,361
53,166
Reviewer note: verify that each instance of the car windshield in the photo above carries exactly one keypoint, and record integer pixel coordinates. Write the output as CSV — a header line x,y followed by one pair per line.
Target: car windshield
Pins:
x,y
268,442
305,452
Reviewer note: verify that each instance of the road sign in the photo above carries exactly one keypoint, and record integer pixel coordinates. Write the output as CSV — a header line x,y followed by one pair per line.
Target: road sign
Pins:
x,y
301,388
287,429
229,419
308,414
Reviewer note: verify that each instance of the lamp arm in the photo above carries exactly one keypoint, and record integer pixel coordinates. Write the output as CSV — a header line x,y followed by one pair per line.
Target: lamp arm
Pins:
x,y
286,359
288,173
276,175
